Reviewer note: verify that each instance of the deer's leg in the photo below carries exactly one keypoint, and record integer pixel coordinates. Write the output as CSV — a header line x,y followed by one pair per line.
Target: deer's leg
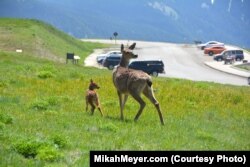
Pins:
x,y
92,108
87,104
98,106
148,92
138,98
124,101
120,102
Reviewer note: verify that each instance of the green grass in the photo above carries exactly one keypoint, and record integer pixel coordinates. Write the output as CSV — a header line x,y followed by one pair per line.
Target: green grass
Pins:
x,y
43,120
245,66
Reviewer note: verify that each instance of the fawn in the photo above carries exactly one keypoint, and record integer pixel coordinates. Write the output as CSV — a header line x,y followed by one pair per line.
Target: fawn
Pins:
x,y
92,98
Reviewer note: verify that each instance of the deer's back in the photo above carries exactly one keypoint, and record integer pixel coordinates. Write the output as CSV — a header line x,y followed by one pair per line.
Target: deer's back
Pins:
x,y
127,80
91,96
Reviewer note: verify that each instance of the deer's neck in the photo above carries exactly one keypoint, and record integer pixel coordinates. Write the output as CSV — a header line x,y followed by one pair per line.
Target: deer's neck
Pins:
x,y
91,87
124,62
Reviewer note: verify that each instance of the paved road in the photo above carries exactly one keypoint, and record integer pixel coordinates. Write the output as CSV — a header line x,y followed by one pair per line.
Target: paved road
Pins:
x,y
183,61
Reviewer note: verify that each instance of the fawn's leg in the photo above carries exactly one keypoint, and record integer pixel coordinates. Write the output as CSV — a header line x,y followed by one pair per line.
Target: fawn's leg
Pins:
x,y
97,102
98,106
87,104
92,108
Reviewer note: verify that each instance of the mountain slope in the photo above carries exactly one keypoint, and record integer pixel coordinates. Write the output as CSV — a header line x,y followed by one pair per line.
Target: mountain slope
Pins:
x,y
154,20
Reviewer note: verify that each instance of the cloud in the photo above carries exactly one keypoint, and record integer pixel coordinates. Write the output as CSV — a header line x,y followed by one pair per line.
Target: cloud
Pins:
x,y
229,6
166,10
204,6
212,2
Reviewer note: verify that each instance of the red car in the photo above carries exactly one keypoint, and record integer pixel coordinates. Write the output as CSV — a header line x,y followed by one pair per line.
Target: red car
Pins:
x,y
214,50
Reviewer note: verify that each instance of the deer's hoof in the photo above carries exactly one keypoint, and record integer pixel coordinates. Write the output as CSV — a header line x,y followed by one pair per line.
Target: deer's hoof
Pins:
x,y
136,119
162,122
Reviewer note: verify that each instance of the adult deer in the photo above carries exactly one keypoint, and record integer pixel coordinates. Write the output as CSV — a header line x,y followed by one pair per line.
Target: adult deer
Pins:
x,y
134,82
92,97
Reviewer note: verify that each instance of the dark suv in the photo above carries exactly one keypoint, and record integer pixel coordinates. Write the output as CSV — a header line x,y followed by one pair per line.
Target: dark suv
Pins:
x,y
111,61
152,67
237,55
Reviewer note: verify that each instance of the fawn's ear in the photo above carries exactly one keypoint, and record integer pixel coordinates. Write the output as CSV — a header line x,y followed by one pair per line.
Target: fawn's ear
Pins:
x,y
132,46
122,48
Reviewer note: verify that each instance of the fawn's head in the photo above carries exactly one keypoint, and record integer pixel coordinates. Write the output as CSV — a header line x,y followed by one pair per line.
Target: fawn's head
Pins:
x,y
93,85
128,52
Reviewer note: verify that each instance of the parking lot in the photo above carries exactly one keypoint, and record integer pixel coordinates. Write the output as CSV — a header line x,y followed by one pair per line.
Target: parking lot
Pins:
x,y
181,61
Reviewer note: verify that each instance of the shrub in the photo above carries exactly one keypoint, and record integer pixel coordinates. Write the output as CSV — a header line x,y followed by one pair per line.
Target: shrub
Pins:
x,y
6,119
40,149
40,105
60,141
48,153
53,100
28,147
46,103
45,74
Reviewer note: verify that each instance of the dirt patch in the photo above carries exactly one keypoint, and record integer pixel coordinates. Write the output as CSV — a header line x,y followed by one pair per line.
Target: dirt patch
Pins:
x,y
90,61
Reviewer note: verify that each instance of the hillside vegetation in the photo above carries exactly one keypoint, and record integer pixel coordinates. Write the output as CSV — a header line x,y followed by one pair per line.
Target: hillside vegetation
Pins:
x,y
42,107
40,39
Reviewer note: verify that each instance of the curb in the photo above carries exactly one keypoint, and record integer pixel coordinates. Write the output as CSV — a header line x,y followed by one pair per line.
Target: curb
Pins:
x,y
236,71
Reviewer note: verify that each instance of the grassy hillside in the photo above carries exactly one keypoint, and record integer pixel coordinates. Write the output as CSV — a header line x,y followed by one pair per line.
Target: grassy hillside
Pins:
x,y
43,120
40,39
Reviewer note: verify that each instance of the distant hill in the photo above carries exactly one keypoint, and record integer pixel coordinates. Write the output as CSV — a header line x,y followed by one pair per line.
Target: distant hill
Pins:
x,y
154,20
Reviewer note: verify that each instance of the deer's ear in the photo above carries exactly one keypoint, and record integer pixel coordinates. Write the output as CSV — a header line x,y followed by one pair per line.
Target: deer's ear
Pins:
x,y
122,48
132,46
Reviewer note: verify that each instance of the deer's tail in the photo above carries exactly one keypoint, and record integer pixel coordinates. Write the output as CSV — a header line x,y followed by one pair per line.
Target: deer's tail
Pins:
x,y
149,82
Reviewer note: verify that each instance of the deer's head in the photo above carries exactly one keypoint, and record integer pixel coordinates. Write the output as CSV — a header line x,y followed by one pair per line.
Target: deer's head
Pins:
x,y
93,85
128,52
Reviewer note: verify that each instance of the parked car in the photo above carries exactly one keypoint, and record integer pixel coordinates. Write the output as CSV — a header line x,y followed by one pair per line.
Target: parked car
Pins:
x,y
111,61
237,55
210,44
214,50
101,57
152,67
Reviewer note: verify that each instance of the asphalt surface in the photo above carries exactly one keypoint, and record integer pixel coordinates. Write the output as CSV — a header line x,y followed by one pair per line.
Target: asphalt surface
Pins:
x,y
181,61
